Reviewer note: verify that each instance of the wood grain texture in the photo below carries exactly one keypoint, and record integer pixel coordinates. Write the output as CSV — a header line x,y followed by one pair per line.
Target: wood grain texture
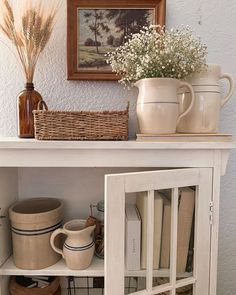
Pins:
x,y
117,185
32,153
215,223
150,239
8,195
115,233
174,232
105,95
144,181
203,234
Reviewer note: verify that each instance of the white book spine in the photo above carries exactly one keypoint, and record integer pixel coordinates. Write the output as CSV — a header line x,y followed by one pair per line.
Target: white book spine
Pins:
x,y
158,212
133,238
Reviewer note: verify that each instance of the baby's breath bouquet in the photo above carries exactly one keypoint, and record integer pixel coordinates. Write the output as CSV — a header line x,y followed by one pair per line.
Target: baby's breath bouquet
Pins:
x,y
156,52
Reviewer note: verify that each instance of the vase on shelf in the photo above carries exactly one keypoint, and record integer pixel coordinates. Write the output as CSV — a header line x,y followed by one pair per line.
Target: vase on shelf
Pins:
x,y
158,105
205,115
29,36
27,102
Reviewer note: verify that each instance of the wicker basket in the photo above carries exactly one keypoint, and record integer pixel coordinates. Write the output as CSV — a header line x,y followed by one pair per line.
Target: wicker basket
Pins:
x,y
52,289
187,290
65,125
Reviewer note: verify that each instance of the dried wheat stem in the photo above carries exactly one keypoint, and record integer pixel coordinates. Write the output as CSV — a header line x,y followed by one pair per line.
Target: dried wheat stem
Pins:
x,y
30,36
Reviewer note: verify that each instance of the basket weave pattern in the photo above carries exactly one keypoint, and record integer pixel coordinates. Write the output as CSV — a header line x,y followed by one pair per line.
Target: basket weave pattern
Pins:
x,y
187,290
52,289
61,125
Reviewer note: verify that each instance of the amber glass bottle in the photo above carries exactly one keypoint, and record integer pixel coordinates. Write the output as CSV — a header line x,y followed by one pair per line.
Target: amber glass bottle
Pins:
x,y
27,101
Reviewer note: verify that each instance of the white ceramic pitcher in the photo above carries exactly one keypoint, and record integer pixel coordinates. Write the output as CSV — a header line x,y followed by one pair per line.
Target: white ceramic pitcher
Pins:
x,y
210,76
78,248
158,105
205,114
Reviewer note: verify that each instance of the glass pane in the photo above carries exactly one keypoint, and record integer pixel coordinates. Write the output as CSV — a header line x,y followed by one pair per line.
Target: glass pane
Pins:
x,y
162,236
132,285
82,285
185,232
187,290
135,242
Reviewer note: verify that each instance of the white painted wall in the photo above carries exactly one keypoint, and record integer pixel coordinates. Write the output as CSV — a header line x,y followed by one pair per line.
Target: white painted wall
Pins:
x,y
214,21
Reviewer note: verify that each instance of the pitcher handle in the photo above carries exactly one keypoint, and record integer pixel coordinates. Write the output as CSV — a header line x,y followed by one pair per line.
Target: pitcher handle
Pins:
x,y
185,84
52,240
231,88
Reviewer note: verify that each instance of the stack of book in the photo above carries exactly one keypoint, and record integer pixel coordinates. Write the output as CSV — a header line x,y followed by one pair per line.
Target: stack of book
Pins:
x,y
136,231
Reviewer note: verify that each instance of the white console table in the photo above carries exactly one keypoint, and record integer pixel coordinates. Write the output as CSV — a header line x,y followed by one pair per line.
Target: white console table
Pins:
x,y
199,164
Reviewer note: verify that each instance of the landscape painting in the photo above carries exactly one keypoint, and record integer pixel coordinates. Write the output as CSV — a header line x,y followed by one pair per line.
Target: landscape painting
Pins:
x,y
103,30
97,27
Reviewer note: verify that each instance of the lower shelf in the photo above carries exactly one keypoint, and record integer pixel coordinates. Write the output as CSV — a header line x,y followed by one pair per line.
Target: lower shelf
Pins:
x,y
96,269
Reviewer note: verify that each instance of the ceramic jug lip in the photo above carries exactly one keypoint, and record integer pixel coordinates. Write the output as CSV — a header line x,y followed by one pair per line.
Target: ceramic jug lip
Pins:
x,y
20,209
155,78
79,225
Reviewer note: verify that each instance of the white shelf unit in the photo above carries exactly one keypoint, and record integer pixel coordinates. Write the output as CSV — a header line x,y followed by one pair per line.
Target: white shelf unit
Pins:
x,y
96,269
200,164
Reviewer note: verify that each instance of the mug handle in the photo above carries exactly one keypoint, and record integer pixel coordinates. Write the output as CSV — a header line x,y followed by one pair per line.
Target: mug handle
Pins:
x,y
185,84
52,240
231,88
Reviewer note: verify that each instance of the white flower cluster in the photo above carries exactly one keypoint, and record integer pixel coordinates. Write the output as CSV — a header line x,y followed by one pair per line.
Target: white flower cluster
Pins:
x,y
156,52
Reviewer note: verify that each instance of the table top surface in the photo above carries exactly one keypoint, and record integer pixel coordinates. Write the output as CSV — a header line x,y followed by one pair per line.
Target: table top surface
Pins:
x,y
17,143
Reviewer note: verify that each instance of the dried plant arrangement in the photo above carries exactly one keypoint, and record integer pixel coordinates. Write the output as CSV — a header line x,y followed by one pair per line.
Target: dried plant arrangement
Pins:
x,y
29,33
29,27
158,52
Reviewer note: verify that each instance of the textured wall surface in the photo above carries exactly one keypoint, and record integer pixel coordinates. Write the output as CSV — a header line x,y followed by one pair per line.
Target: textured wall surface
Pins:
x,y
214,21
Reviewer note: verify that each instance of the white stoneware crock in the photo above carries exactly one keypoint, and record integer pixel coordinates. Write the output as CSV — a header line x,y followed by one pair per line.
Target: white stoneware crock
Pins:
x,y
32,223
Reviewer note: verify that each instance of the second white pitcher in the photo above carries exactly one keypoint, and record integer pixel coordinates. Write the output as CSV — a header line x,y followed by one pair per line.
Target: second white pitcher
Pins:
x,y
78,248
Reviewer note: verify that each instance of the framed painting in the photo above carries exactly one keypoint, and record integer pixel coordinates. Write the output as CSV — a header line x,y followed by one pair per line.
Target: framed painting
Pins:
x,y
97,27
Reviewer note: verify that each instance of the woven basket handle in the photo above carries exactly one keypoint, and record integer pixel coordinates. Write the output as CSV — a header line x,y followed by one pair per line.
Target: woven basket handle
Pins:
x,y
128,105
42,105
